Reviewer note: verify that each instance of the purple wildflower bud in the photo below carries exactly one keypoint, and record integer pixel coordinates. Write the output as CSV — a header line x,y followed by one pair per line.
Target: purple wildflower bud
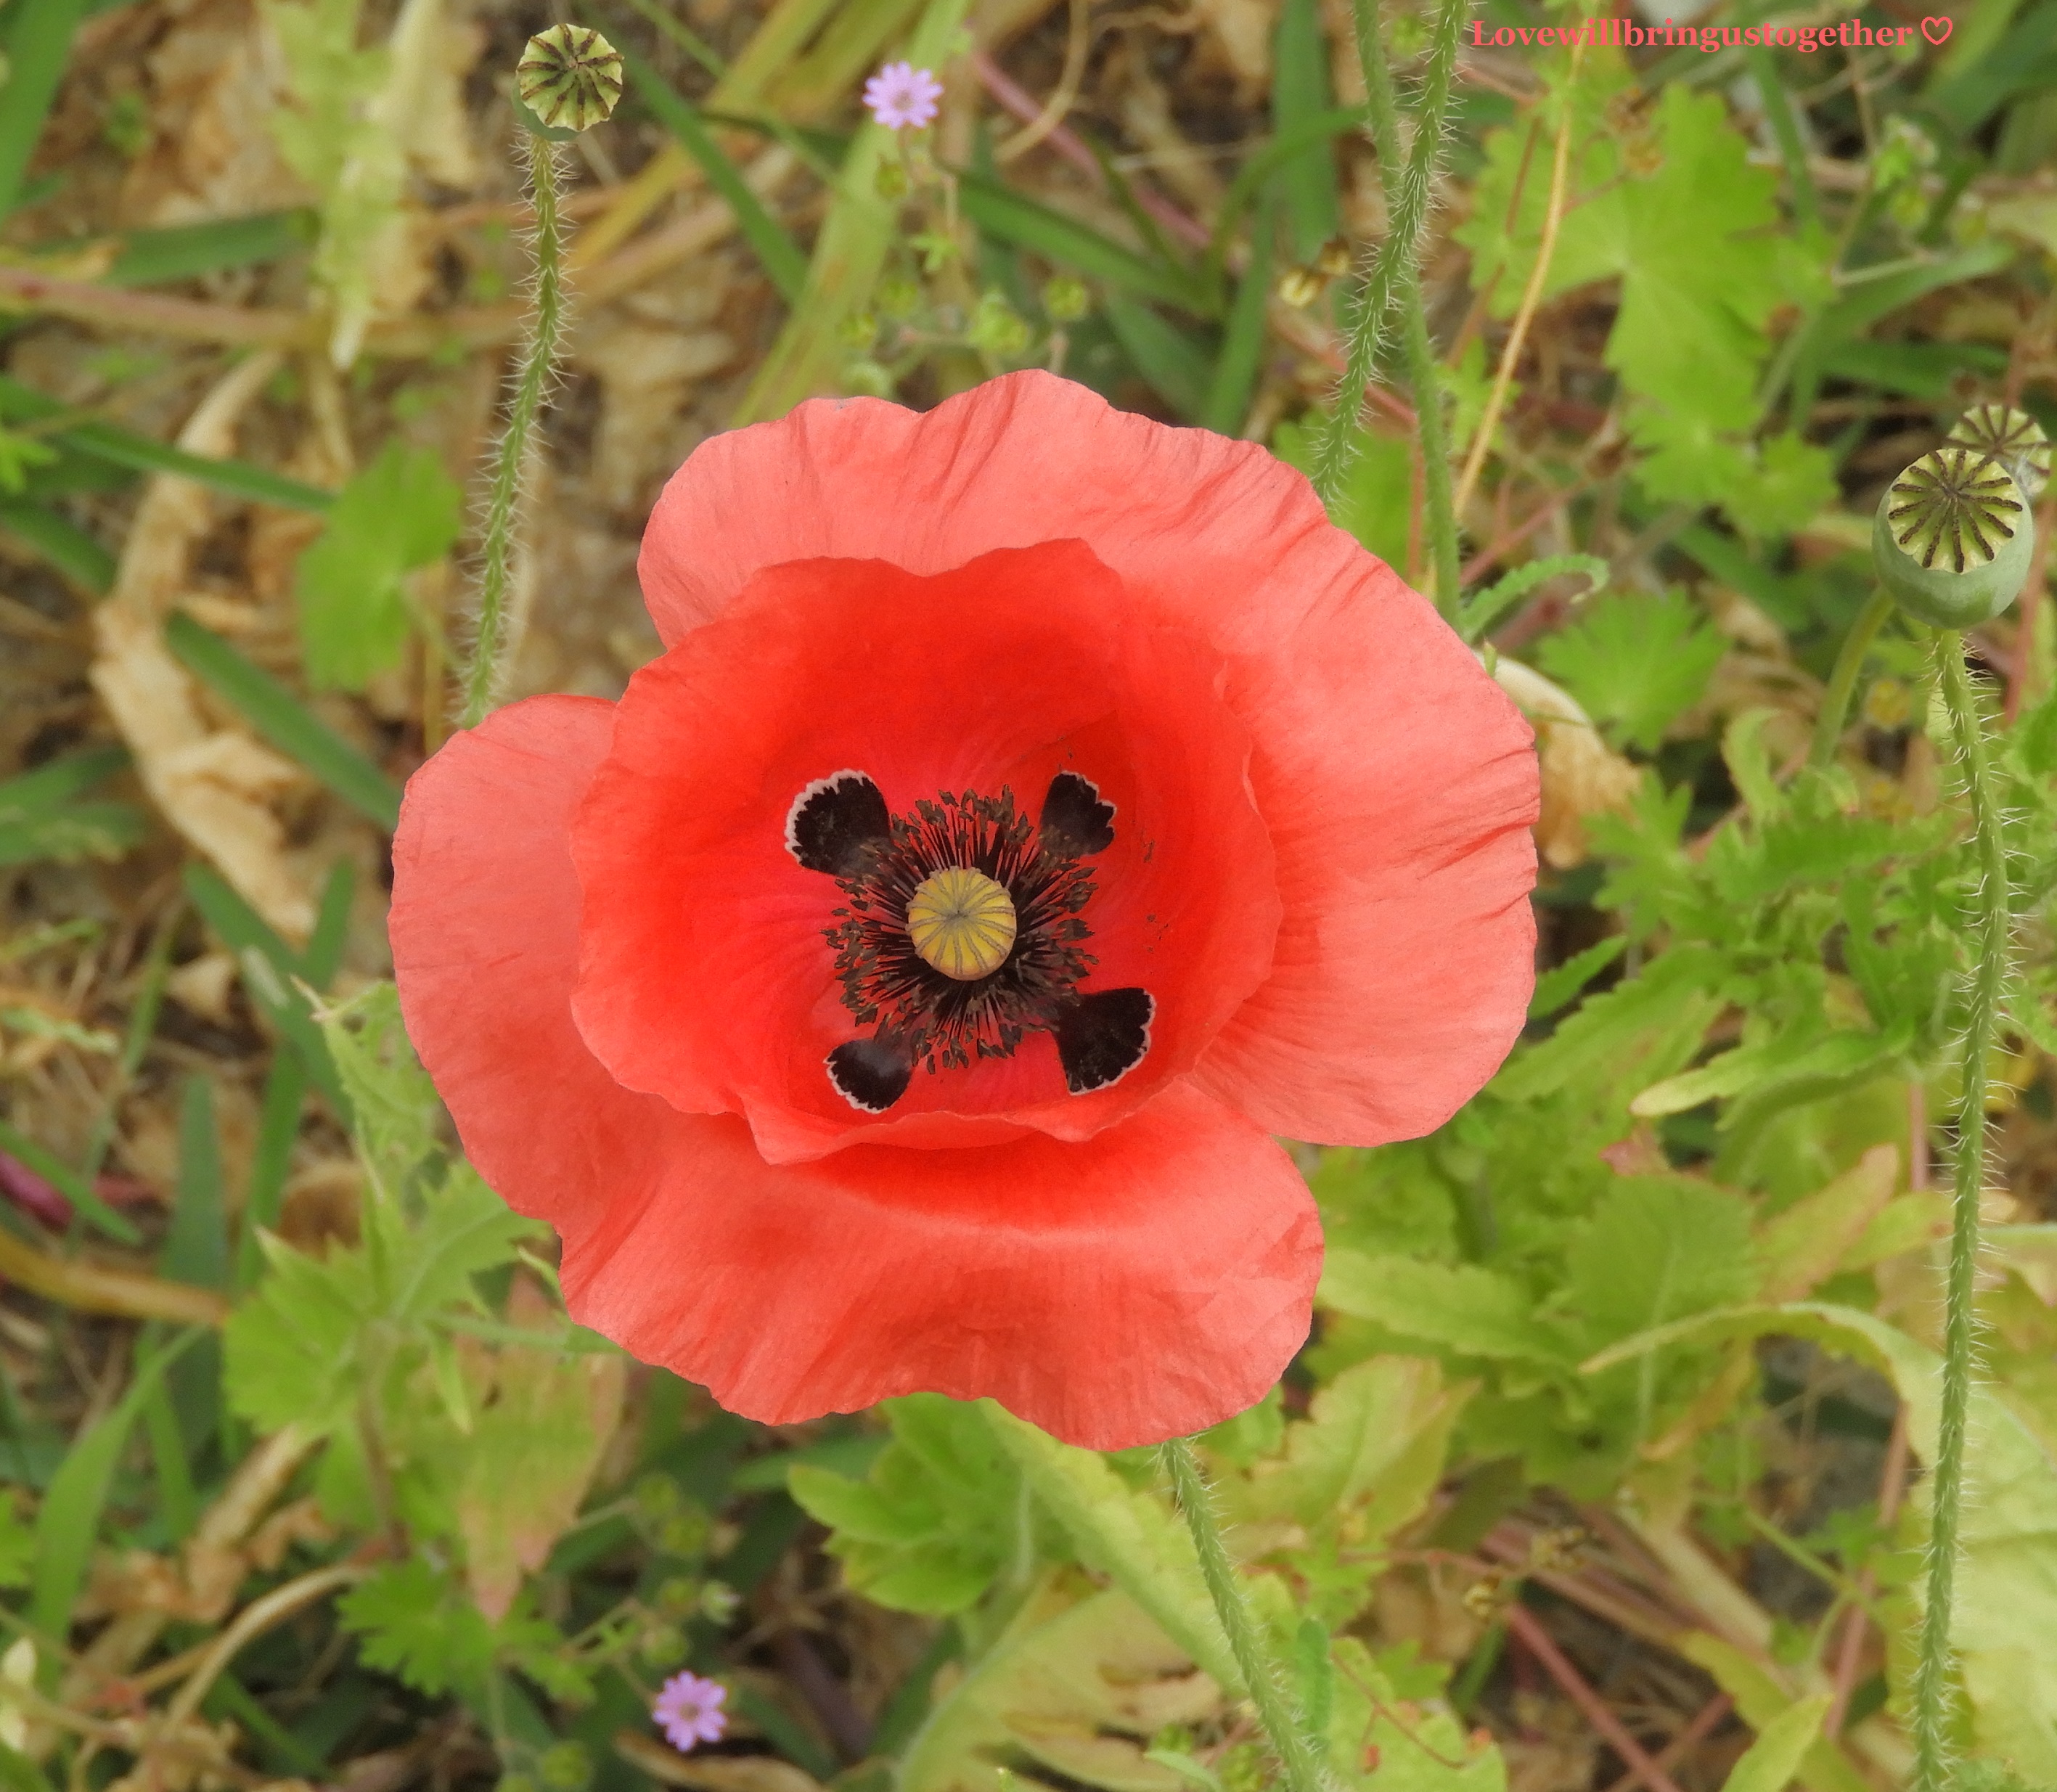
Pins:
x,y
688,1711
902,97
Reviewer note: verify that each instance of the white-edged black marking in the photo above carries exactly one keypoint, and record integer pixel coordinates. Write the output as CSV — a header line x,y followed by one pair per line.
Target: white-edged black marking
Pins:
x,y
1075,822
1103,1036
871,1074
835,821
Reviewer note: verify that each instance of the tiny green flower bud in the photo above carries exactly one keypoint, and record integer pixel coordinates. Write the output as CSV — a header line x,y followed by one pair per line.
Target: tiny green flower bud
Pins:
x,y
891,182
662,1646
859,330
2012,438
678,1595
719,1602
657,1497
569,77
898,296
1065,299
564,1767
684,1532
1951,538
997,328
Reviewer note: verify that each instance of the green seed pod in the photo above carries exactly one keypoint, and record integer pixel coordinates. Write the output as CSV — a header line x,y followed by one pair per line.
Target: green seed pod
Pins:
x,y
2014,438
1951,538
569,76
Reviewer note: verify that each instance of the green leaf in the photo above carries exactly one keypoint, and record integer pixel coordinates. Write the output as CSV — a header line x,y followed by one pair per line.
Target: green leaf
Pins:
x,y
1636,663
17,1544
277,715
1762,1699
1769,1764
1657,1248
402,512
938,1518
1074,1688
1370,1450
1131,1537
1374,503
417,1625
1242,352
196,1246
74,553
291,1349
1557,986
1462,1307
1489,605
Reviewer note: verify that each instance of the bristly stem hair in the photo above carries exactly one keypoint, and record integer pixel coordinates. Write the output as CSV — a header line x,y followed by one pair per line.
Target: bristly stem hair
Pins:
x,y
532,380
1298,1755
1394,279
1993,945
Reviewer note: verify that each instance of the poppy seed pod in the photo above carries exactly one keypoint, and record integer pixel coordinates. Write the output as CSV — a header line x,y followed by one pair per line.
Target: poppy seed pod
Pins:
x,y
569,77
2012,438
1951,539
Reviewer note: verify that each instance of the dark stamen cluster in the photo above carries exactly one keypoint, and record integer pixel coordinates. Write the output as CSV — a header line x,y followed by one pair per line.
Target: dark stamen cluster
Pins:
x,y
933,1018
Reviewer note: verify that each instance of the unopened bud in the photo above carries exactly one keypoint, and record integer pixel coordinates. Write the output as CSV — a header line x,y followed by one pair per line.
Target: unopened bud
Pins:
x,y
569,77
719,1602
891,181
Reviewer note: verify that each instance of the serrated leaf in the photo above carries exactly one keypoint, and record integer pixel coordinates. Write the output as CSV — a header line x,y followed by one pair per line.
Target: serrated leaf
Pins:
x,y
1657,1248
1373,1446
1462,1307
402,512
1131,1537
937,1518
1669,1004
1075,1686
291,1349
417,1625
1636,662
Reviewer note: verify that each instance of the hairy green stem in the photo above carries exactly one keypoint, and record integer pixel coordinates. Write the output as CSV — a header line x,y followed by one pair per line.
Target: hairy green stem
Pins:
x,y
1843,679
1395,279
1988,988
1299,1760
539,355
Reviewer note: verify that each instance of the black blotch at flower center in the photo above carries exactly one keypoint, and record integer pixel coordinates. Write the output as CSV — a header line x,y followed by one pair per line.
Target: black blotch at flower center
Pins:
x,y
927,1011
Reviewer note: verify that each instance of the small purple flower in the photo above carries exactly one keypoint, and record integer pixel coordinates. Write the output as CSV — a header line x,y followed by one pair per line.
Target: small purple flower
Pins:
x,y
902,97
688,1711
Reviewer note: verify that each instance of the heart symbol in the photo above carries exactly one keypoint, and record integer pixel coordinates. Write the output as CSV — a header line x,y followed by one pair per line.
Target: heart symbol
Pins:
x,y
1936,30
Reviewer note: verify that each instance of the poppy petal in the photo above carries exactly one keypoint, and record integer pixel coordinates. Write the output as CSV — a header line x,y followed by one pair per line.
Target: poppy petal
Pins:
x,y
1150,1281
708,974
1397,782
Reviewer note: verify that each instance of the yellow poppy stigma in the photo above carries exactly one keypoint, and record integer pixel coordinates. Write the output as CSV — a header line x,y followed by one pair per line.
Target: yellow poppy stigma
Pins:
x,y
961,922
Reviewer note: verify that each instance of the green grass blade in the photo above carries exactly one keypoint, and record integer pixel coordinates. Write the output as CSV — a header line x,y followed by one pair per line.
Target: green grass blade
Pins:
x,y
196,1246
65,546
68,1183
325,945
176,1500
1165,355
121,447
1250,179
278,1126
70,1517
36,40
60,780
270,966
1301,88
1242,342
279,716
781,256
1001,212
151,257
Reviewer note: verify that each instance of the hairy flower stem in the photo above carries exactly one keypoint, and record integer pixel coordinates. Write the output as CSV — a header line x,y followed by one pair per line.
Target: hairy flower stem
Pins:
x,y
1988,988
1843,680
1395,279
1299,1761
539,355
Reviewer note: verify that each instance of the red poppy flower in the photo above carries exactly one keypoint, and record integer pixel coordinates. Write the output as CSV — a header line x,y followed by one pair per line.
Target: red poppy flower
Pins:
x,y
1034,809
